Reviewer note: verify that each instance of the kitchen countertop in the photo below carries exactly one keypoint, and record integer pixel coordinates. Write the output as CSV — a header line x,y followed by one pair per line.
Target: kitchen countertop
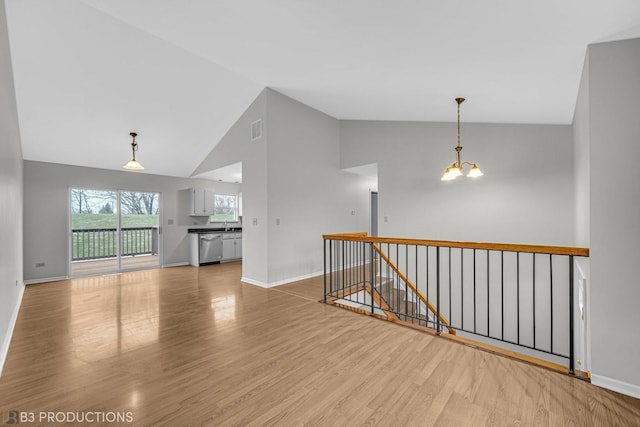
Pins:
x,y
215,230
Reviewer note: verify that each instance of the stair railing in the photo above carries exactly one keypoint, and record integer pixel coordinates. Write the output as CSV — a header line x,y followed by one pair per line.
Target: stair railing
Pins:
x,y
520,296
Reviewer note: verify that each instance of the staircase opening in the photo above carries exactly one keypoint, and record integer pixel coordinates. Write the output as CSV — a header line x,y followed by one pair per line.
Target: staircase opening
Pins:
x,y
517,300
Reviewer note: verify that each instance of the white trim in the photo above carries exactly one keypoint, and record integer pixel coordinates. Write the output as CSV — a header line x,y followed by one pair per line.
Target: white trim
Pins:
x,y
254,282
616,385
280,282
45,280
175,264
4,351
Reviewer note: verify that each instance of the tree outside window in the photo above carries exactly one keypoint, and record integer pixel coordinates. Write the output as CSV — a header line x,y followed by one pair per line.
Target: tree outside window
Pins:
x,y
225,208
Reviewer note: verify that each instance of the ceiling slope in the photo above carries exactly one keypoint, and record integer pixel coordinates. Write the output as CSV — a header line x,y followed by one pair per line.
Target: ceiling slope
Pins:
x,y
84,80
515,61
88,72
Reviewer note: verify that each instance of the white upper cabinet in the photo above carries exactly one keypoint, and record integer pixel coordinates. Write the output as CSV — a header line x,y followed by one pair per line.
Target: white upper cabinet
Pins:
x,y
201,202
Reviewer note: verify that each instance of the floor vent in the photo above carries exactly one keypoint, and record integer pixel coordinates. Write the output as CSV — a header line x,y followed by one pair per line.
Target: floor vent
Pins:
x,y
256,130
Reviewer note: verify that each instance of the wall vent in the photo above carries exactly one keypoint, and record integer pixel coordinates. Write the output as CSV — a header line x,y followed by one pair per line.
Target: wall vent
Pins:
x,y
256,130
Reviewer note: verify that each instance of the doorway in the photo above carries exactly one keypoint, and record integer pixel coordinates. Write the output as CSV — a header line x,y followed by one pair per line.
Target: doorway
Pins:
x,y
113,231
373,217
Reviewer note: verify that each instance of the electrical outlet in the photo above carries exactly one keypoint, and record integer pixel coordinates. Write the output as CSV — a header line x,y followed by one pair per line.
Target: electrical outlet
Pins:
x,y
353,212
386,218
277,221
40,264
169,222
255,221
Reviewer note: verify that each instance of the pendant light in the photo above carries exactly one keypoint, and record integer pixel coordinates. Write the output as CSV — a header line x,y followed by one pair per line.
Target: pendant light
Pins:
x,y
456,168
133,164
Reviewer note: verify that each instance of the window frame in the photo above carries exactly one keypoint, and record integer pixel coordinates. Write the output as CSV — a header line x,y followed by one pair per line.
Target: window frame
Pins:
x,y
212,218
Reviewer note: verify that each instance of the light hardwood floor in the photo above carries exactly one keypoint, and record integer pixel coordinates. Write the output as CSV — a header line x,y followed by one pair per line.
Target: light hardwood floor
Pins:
x,y
195,346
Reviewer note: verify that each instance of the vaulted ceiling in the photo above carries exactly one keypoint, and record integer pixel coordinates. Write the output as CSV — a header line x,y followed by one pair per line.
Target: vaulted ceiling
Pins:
x,y
180,73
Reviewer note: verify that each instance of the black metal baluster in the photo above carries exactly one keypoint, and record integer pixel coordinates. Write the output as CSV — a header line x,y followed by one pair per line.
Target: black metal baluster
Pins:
x,y
406,284
380,268
474,291
534,300
551,296
398,279
362,255
462,288
438,290
389,279
427,296
518,295
502,294
371,275
331,266
488,298
324,267
344,262
416,303
450,316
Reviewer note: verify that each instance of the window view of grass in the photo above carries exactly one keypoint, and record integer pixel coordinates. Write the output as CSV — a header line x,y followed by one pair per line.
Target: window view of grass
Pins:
x,y
85,221
94,222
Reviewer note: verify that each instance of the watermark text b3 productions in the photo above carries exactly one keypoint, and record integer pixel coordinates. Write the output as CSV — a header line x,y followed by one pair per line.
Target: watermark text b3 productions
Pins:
x,y
16,417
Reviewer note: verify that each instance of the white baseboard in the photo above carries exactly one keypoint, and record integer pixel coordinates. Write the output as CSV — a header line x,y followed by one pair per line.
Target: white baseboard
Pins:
x,y
4,350
616,385
254,282
175,264
44,280
280,282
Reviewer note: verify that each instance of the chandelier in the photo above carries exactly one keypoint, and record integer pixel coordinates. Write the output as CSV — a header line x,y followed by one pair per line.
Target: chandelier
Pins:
x,y
456,168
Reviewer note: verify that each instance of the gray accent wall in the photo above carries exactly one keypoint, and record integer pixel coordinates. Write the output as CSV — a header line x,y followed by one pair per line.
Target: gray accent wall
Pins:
x,y
11,190
613,141
526,195
46,211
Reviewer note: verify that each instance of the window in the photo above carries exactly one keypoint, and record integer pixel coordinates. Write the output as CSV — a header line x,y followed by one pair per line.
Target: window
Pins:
x,y
225,208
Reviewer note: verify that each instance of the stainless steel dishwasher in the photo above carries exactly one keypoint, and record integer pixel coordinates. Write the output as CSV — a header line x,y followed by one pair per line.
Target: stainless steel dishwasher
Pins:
x,y
210,248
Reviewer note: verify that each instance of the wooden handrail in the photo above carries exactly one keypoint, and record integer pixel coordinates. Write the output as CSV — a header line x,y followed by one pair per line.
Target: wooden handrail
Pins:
x,y
414,288
340,235
509,247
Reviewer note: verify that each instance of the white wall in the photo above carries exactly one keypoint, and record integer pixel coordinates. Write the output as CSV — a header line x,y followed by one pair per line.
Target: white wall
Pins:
x,y
11,282
526,195
581,158
46,211
614,151
291,174
237,146
308,193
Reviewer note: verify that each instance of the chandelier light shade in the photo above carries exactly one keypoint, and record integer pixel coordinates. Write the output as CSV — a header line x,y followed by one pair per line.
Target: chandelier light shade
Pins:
x,y
133,164
457,168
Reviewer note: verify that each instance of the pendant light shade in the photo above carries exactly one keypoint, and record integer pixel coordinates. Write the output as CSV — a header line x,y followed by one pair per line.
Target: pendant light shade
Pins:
x,y
133,164
475,172
457,168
